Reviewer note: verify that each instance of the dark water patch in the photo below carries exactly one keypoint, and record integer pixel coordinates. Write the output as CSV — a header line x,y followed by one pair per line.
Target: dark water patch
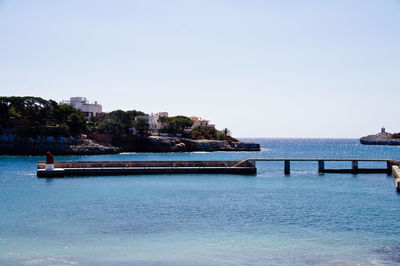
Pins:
x,y
389,254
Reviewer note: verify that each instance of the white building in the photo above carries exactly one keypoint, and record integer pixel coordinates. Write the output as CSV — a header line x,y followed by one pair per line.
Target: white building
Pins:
x,y
81,103
199,122
152,120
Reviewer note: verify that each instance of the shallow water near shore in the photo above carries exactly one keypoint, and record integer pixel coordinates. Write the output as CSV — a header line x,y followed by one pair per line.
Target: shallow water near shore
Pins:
x,y
268,218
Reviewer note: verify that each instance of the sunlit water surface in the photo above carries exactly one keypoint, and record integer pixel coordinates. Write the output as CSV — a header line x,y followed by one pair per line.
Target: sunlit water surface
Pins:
x,y
269,218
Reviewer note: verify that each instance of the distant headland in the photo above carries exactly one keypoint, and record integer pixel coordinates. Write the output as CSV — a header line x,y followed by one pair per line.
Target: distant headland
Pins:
x,y
32,126
382,138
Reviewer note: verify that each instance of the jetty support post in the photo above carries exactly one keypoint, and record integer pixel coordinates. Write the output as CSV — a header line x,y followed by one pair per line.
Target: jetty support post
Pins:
x,y
321,167
354,166
287,167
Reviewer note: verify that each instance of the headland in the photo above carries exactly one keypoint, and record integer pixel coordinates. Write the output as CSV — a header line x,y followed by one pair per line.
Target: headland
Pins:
x,y
382,138
13,144
33,126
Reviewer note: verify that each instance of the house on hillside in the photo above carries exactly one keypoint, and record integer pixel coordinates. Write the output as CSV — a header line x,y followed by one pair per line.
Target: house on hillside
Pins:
x,y
81,103
152,120
199,122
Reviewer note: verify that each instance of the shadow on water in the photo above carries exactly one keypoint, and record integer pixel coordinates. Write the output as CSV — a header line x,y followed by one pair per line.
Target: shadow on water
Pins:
x,y
49,180
154,176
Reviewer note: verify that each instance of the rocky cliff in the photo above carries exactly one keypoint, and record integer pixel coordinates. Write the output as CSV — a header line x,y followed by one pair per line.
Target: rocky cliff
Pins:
x,y
219,145
381,139
13,144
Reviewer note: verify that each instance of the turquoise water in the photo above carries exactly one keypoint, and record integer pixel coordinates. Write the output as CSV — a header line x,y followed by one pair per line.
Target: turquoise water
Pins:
x,y
269,218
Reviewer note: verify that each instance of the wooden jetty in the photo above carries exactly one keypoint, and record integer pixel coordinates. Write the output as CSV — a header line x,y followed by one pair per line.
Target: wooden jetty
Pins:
x,y
247,166
355,169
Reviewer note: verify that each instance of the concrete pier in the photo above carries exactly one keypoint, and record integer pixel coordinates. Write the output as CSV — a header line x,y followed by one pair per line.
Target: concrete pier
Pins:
x,y
96,168
247,166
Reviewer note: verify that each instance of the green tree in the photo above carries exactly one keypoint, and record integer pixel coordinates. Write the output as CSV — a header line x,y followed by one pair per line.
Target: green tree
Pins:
x,y
163,120
226,132
213,133
37,111
199,133
141,125
176,124
63,112
111,128
94,123
76,123
4,112
126,119
133,114
119,116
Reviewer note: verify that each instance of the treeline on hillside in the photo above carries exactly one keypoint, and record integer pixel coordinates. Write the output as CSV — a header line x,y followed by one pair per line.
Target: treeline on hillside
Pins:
x,y
37,116
175,124
117,123
211,133
34,116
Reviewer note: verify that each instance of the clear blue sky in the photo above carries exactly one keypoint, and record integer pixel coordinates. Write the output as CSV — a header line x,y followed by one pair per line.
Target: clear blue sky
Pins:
x,y
261,68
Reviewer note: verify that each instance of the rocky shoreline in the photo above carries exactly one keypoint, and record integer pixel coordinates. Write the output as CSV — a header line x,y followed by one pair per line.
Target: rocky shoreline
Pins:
x,y
175,144
11,144
14,145
380,139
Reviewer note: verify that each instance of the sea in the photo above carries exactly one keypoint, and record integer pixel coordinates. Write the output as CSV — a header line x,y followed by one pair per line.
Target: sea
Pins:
x,y
304,218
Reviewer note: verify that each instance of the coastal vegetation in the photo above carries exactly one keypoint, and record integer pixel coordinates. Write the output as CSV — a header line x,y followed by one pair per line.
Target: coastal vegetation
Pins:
x,y
211,133
175,124
35,116
115,123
